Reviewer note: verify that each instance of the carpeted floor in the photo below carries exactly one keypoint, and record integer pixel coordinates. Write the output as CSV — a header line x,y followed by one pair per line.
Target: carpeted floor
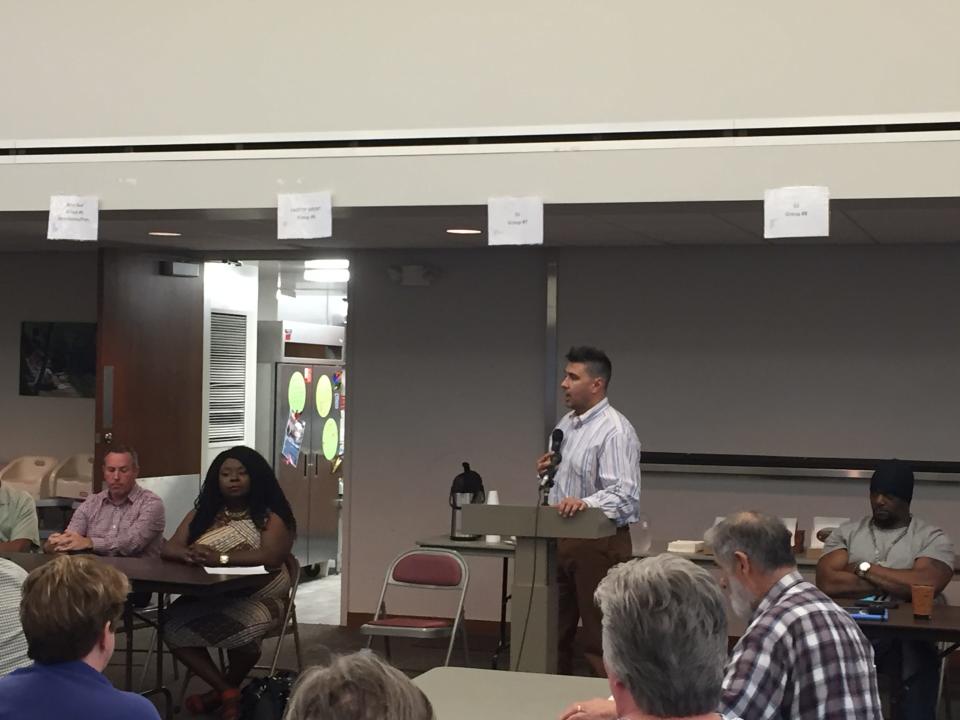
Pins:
x,y
318,642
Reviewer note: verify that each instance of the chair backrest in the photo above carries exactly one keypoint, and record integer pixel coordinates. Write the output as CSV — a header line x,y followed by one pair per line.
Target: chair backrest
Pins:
x,y
429,568
28,473
73,477
293,569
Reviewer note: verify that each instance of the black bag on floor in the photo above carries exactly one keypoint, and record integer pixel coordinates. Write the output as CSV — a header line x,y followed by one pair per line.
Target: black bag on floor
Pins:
x,y
266,698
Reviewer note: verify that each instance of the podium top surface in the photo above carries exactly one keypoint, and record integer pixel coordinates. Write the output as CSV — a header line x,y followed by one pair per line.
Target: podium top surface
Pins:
x,y
535,521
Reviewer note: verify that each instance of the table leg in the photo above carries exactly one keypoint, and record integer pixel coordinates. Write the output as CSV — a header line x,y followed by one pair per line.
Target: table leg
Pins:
x,y
161,689
502,644
128,624
159,652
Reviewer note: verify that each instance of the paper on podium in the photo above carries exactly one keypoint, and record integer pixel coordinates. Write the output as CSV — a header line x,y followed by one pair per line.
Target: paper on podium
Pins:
x,y
237,570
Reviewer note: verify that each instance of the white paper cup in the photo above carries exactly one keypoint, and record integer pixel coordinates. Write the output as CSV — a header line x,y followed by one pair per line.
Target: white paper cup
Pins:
x,y
493,498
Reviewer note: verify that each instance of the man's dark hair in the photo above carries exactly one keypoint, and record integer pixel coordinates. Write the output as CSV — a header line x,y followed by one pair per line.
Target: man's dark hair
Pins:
x,y
596,360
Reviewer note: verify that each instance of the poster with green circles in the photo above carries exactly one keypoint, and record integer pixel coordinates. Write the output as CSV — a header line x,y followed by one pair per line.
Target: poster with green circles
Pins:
x,y
324,396
331,439
297,393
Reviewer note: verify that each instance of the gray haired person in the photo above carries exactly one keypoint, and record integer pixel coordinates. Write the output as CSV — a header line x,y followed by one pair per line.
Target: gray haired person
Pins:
x,y
664,641
802,656
359,686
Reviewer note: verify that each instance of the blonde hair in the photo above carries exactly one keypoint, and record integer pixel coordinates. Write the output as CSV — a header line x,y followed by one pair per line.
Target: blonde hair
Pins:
x,y
66,603
359,686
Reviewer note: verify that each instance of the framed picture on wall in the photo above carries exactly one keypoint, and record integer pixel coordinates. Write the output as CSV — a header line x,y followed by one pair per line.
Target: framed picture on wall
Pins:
x,y
58,359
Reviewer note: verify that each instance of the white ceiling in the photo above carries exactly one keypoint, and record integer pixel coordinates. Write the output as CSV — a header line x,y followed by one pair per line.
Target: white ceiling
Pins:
x,y
224,233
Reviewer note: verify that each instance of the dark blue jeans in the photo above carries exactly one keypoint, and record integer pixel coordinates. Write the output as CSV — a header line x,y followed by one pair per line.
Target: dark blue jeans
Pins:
x,y
913,667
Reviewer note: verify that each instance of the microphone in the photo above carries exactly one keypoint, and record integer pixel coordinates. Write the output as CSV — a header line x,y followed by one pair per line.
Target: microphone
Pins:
x,y
556,440
546,480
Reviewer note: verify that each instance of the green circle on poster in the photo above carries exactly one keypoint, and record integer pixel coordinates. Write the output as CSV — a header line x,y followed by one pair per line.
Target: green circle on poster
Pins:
x,y
324,395
297,393
331,439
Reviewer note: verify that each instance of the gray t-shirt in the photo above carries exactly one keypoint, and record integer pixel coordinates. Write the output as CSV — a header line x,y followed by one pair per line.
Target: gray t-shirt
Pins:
x,y
896,549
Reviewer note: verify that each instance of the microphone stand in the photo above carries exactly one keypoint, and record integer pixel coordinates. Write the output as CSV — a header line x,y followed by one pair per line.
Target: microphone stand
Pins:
x,y
546,482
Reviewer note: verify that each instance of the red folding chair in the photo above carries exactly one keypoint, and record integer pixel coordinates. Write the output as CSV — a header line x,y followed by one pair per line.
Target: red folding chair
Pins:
x,y
426,569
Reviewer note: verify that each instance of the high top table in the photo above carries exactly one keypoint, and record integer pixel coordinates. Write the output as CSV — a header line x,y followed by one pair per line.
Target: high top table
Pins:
x,y
153,575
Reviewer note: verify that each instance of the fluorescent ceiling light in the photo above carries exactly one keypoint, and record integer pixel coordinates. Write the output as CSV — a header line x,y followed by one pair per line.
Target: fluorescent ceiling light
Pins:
x,y
327,275
163,233
336,264
464,231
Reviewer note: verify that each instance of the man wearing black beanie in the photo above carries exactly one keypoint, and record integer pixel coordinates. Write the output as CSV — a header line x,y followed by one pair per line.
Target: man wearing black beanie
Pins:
x,y
884,554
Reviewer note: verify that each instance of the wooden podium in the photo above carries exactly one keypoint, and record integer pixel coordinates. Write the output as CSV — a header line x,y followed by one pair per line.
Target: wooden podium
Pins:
x,y
534,572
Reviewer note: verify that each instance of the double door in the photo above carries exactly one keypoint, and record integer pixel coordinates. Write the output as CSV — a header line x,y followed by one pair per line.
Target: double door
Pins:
x,y
309,447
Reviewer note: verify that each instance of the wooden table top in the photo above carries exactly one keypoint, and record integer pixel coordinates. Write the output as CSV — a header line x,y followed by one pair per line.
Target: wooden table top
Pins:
x,y
156,575
942,626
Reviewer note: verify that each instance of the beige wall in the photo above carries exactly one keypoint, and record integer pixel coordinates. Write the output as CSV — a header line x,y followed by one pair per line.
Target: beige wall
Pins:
x,y
52,286
823,351
439,375
110,68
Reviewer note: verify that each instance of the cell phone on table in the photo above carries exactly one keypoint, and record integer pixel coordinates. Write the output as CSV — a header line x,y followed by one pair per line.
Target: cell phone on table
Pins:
x,y
868,603
876,614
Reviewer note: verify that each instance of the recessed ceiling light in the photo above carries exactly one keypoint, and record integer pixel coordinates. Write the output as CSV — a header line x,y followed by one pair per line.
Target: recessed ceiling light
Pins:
x,y
328,264
327,275
162,233
464,231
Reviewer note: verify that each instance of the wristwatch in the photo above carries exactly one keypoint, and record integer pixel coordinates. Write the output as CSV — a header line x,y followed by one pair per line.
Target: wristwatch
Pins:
x,y
863,568
224,559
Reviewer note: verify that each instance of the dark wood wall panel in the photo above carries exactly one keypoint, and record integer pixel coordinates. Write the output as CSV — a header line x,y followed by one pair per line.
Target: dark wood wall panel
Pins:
x,y
150,331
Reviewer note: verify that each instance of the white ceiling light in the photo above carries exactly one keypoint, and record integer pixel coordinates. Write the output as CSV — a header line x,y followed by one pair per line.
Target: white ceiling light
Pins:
x,y
333,264
464,231
163,233
327,275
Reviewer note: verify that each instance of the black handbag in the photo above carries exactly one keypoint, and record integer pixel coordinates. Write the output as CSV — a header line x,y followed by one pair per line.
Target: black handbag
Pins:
x,y
266,698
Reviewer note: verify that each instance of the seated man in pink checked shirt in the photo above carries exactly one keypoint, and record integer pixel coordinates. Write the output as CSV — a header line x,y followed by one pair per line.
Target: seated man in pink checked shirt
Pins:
x,y
122,519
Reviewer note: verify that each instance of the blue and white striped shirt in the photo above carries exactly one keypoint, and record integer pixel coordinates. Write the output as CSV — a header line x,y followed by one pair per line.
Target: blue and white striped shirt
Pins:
x,y
601,463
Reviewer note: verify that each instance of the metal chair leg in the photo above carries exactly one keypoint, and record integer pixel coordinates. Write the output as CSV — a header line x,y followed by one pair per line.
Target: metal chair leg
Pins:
x,y
146,662
296,642
466,649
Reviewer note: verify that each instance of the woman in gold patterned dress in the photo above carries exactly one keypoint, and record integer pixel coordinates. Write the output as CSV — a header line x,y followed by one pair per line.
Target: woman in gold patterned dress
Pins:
x,y
241,517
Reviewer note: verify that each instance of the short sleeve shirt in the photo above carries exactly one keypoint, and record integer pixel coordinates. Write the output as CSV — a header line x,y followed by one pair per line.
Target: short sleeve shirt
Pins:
x,y
18,516
13,645
896,549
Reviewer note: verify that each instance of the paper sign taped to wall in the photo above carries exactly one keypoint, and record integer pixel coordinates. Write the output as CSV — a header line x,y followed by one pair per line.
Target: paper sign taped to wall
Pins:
x,y
73,217
802,211
791,525
515,221
304,216
824,523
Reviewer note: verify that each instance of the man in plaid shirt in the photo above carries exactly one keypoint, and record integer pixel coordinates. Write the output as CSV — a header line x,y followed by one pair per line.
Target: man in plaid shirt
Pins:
x,y
802,656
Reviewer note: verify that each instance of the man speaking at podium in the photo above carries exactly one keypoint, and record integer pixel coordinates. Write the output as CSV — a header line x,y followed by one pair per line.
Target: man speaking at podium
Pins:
x,y
597,466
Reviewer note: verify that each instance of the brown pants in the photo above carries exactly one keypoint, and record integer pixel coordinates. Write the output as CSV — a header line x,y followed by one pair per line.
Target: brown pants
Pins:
x,y
581,565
